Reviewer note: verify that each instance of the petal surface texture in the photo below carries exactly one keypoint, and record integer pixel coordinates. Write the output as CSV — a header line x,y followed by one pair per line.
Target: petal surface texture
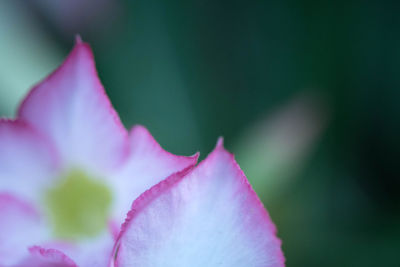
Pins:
x,y
20,225
41,257
71,107
27,160
208,217
147,164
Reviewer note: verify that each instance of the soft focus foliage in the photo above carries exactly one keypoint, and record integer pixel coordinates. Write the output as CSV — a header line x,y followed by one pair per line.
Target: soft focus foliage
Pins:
x,y
195,70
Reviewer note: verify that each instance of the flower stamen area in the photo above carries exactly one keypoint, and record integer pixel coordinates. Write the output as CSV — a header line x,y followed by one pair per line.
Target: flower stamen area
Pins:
x,y
79,206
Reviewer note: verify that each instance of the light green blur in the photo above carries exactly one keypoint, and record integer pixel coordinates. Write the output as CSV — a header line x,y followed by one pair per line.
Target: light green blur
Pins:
x,y
79,206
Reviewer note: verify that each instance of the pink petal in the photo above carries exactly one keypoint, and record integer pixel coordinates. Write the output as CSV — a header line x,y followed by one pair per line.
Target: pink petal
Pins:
x,y
147,165
41,257
95,252
27,159
20,227
210,217
71,107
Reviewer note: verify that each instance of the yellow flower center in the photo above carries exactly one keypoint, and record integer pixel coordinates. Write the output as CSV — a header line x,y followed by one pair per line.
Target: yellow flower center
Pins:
x,y
78,206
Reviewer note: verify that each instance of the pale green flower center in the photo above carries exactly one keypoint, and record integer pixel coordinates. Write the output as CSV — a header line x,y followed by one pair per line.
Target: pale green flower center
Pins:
x,y
79,206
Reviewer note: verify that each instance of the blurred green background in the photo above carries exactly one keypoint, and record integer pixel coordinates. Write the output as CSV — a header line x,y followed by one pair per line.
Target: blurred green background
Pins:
x,y
306,94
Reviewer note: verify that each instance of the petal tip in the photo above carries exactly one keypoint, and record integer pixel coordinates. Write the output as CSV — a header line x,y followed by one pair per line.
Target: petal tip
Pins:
x,y
220,142
78,39
140,132
221,150
139,128
81,45
195,156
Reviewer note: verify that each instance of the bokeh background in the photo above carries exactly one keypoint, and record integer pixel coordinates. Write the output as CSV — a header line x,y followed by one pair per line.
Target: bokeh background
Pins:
x,y
306,94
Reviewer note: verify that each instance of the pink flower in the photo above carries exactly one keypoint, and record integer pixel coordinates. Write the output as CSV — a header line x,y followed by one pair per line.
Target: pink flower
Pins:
x,y
69,171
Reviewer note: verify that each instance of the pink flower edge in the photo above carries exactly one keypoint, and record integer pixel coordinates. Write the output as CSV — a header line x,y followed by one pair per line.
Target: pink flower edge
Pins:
x,y
203,177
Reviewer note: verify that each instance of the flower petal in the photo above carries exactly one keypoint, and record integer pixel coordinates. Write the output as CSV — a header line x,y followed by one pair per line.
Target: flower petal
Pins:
x,y
71,107
41,257
210,217
89,253
20,227
27,159
147,165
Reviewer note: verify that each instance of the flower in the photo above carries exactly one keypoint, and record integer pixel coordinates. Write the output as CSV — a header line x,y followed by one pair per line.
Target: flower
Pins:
x,y
69,170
